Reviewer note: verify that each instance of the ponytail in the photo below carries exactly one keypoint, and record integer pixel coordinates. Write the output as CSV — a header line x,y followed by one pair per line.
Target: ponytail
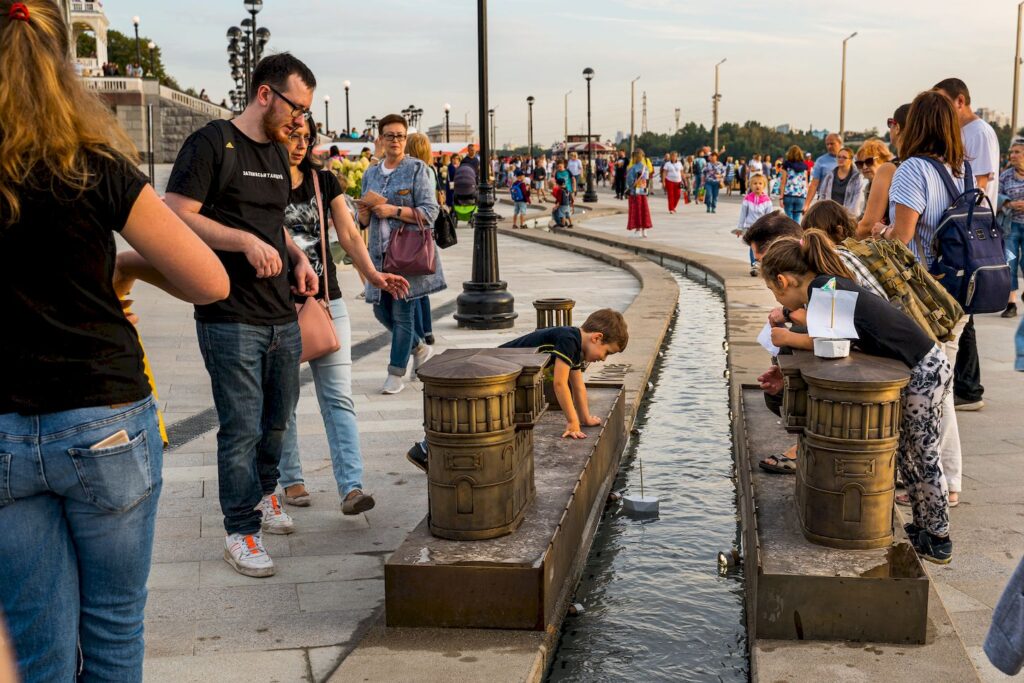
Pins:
x,y
813,253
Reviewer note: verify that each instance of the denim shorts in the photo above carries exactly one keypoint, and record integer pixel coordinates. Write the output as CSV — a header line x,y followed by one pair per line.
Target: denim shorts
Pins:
x,y
520,209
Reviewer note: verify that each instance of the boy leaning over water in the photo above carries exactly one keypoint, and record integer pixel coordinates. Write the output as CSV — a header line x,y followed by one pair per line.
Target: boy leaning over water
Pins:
x,y
603,333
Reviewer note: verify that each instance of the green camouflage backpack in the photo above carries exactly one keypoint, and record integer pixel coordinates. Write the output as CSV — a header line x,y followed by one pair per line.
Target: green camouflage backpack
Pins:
x,y
909,285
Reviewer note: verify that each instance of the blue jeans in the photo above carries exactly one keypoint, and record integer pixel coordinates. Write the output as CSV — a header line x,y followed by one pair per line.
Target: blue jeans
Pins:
x,y
1015,246
1019,364
424,325
399,317
711,195
332,376
793,206
254,371
76,538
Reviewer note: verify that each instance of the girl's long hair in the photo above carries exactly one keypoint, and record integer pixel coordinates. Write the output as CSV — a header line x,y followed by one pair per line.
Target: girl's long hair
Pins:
x,y
812,253
932,130
49,120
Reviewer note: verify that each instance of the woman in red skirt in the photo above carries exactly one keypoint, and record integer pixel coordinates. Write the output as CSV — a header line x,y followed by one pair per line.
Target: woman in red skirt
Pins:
x,y
637,178
672,180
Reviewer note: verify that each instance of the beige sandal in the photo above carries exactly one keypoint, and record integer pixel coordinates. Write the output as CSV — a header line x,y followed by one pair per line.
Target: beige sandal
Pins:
x,y
297,495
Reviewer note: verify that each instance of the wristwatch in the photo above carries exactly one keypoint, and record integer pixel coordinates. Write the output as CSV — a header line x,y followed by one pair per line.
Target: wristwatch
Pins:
x,y
785,314
398,212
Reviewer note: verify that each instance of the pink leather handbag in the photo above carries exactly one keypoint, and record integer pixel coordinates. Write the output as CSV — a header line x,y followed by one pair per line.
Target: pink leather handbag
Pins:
x,y
315,323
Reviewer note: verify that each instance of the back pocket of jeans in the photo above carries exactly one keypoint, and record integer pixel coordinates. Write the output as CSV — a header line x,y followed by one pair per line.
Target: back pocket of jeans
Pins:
x,y
116,479
5,480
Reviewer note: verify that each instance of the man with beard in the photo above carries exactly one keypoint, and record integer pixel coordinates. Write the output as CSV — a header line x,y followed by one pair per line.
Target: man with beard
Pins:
x,y
230,184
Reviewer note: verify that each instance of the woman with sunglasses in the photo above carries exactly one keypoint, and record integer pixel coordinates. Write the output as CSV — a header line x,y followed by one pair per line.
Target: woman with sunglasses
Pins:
x,y
876,209
332,374
845,185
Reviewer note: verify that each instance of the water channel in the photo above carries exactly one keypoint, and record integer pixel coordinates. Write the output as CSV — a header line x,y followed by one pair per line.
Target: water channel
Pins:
x,y
655,606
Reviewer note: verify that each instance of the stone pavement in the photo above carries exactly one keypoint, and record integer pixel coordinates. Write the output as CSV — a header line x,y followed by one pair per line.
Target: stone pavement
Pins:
x,y
205,622
988,526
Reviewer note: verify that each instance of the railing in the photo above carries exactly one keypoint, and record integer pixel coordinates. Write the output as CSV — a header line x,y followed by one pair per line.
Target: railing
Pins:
x,y
195,103
114,84
94,7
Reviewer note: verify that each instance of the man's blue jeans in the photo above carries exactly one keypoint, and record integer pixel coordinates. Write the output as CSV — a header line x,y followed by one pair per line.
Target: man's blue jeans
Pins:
x,y
76,538
399,317
332,376
793,206
254,371
711,195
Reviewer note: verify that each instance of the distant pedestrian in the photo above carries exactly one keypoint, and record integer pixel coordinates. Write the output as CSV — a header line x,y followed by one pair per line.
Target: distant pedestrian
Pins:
x,y
1011,186
620,166
794,182
539,178
714,178
520,195
672,180
845,185
637,180
575,168
822,166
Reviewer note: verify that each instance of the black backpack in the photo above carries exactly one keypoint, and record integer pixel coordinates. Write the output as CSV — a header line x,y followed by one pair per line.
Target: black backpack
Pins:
x,y
970,255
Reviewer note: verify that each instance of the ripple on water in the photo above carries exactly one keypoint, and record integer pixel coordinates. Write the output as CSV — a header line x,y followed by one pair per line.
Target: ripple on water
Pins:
x,y
656,608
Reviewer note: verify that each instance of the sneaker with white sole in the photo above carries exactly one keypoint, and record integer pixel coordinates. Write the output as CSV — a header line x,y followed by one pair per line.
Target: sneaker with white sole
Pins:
x,y
392,385
275,519
247,556
420,355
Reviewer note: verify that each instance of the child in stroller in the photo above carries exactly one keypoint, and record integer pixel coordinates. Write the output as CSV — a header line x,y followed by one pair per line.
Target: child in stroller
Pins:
x,y
464,189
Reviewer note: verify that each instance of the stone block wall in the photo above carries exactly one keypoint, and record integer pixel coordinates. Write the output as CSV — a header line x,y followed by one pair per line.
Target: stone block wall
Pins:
x,y
172,123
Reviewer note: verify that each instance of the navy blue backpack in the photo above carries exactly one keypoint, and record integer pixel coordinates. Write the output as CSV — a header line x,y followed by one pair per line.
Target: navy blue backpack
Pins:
x,y
970,255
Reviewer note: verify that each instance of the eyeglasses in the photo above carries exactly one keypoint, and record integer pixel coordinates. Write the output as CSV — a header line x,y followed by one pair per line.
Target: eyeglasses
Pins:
x,y
301,140
297,110
394,137
889,123
870,161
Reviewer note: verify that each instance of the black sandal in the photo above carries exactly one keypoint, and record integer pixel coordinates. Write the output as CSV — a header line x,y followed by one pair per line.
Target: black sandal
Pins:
x,y
778,464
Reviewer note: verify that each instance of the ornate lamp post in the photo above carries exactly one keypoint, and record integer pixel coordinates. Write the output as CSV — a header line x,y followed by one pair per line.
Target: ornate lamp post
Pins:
x,y
262,38
138,48
591,194
152,62
371,125
253,7
447,128
529,125
327,114
485,302
348,122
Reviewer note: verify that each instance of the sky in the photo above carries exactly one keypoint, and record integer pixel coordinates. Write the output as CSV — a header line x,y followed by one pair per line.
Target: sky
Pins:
x,y
783,57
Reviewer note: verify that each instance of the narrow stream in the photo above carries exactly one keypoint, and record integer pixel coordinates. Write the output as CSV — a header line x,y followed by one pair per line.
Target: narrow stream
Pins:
x,y
655,606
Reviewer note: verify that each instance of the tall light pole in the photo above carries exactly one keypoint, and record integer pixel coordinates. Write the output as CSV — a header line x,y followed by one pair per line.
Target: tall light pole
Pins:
x,y
566,131
1016,75
591,194
152,62
842,90
632,116
485,302
490,125
447,126
714,109
253,7
529,125
138,47
348,121
327,116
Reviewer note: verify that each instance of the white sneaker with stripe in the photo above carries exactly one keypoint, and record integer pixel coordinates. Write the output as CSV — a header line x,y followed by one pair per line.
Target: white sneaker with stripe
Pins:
x,y
275,519
247,556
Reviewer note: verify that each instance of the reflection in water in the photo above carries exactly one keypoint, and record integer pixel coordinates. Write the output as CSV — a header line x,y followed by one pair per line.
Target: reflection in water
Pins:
x,y
655,605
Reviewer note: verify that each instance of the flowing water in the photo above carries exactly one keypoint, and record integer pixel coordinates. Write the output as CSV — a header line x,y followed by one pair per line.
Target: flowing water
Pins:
x,y
655,606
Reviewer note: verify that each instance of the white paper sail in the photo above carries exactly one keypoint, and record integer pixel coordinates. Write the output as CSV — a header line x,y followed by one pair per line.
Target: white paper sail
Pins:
x,y
765,340
830,314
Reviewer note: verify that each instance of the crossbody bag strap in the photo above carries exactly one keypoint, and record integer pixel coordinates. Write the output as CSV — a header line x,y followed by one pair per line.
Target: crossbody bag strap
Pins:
x,y
323,232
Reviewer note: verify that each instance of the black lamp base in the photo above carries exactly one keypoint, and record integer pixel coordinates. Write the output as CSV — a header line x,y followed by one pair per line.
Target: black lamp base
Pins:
x,y
485,306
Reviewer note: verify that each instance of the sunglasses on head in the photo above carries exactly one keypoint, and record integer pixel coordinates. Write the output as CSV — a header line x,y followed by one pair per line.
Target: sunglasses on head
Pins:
x,y
889,123
870,161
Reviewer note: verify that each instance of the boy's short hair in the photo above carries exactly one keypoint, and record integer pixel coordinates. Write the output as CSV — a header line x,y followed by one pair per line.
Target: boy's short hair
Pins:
x,y
275,70
610,324
767,229
560,182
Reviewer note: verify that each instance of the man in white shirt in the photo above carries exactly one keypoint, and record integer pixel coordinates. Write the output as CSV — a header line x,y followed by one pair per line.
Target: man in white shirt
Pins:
x,y
981,148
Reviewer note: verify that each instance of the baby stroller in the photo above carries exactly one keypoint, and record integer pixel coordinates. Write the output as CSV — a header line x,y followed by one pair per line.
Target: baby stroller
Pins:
x,y
464,188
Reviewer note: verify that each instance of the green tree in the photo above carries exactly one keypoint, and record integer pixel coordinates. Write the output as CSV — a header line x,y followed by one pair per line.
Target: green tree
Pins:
x,y
121,51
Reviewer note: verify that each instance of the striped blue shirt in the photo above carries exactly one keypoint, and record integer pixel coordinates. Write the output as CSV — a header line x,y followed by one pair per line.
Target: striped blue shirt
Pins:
x,y
918,186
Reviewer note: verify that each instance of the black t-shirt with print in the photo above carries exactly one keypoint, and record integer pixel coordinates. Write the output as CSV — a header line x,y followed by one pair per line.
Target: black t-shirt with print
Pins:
x,y
254,201
884,330
302,219
66,342
561,342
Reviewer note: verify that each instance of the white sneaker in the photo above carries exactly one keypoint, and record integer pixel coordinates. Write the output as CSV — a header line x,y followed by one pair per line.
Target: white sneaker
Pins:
x,y
247,556
392,385
275,519
420,355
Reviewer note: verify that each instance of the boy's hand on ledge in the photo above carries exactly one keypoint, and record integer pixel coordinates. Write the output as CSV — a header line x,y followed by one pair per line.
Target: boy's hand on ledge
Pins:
x,y
591,421
573,432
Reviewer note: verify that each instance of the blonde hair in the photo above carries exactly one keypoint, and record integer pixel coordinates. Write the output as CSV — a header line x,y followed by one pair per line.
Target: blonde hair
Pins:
x,y
418,145
794,154
758,177
873,147
638,156
48,119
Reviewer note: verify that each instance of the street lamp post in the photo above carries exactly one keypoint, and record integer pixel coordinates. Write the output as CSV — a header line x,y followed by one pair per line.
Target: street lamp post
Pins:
x,y
632,116
447,128
529,124
348,120
565,130
138,47
590,195
327,115
842,90
253,7
714,109
1016,75
152,62
490,114
485,302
